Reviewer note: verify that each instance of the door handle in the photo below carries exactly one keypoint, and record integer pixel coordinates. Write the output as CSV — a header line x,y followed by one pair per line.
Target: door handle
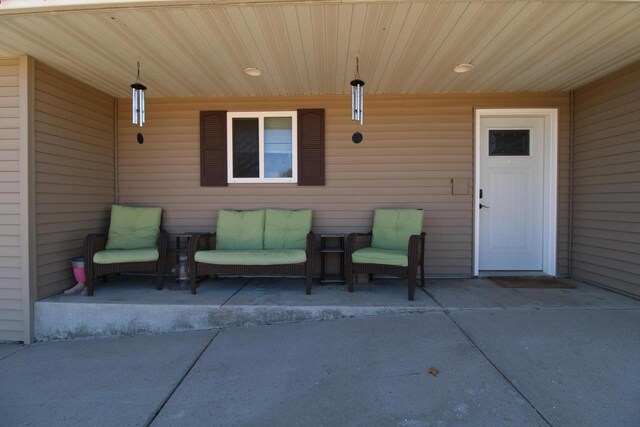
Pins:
x,y
483,206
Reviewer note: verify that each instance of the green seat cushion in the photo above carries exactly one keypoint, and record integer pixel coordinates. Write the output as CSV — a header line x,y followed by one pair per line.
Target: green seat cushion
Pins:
x,y
252,257
393,227
133,228
284,229
118,256
380,256
240,229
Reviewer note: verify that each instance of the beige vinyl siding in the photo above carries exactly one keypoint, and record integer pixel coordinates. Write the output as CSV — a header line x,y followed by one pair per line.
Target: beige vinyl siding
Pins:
x,y
606,181
75,181
414,146
12,315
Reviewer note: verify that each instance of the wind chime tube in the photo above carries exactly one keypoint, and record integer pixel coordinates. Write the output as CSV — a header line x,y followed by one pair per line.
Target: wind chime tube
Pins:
x,y
357,103
141,107
134,105
353,102
361,110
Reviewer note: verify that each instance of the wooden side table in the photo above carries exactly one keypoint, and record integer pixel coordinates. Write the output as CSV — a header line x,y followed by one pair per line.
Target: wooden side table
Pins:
x,y
331,244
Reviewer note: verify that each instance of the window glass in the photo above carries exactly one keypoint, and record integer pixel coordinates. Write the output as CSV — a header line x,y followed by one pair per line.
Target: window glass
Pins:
x,y
509,142
246,148
262,147
278,149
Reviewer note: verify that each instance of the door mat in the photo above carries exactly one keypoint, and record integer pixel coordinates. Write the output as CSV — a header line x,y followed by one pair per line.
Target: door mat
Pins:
x,y
532,282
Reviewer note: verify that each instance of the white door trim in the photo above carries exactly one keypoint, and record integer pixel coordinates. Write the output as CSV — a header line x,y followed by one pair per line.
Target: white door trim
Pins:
x,y
549,246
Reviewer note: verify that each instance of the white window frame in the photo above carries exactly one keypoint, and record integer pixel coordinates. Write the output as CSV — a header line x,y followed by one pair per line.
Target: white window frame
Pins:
x,y
261,115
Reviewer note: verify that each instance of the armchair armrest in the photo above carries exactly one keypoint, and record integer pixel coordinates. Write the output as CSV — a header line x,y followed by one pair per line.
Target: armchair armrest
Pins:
x,y
92,244
163,247
162,242
311,257
357,241
416,249
354,242
201,242
311,246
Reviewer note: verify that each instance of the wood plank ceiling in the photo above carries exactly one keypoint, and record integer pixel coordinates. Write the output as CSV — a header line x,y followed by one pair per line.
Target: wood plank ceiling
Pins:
x,y
309,48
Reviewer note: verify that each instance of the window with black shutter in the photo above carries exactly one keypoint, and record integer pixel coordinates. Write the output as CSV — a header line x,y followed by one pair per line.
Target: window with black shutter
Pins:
x,y
268,147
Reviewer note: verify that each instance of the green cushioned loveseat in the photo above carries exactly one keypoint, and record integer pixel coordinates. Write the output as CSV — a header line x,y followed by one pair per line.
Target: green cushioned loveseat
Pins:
x,y
135,243
394,247
260,242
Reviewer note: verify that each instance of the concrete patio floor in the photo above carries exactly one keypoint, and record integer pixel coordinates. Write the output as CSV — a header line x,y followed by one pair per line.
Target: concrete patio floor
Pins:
x,y
129,305
512,357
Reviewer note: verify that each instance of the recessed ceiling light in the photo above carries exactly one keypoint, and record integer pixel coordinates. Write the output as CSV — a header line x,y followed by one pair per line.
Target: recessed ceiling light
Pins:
x,y
462,68
253,72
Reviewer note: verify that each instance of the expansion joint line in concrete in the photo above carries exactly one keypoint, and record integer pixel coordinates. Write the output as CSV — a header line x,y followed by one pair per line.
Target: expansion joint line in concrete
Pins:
x,y
446,312
179,383
236,292
12,353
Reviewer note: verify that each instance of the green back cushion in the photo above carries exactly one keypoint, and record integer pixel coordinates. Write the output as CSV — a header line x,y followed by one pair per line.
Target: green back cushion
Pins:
x,y
240,229
392,227
286,229
133,228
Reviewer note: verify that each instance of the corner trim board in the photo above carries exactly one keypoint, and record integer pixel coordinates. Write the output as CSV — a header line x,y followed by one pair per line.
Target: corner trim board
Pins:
x,y
26,66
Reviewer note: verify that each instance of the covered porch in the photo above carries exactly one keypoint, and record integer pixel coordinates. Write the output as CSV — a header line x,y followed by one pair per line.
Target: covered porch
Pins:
x,y
70,151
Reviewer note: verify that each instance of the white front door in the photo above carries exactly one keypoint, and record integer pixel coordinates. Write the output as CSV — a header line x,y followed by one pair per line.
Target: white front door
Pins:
x,y
511,210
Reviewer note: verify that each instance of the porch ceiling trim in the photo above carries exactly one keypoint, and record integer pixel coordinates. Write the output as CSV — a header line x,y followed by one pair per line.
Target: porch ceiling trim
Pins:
x,y
31,6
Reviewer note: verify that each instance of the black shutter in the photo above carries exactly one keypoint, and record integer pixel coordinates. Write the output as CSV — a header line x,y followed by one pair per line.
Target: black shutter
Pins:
x,y
213,148
311,147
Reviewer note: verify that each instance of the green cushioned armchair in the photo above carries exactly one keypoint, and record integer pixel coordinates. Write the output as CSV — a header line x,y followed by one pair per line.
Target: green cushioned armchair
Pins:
x,y
135,243
394,247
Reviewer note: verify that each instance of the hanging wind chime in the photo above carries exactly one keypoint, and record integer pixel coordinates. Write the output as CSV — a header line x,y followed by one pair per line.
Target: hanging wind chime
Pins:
x,y
357,102
138,107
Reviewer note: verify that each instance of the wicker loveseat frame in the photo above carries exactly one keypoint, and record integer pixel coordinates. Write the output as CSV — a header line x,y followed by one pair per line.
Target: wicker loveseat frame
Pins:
x,y
207,241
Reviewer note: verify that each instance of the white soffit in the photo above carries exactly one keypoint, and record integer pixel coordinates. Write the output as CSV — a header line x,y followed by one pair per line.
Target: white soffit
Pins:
x,y
198,48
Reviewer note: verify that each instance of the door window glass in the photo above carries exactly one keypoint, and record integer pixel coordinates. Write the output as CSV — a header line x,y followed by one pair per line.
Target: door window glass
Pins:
x,y
509,142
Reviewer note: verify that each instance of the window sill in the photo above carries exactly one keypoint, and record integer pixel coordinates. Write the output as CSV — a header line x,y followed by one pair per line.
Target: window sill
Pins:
x,y
262,181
